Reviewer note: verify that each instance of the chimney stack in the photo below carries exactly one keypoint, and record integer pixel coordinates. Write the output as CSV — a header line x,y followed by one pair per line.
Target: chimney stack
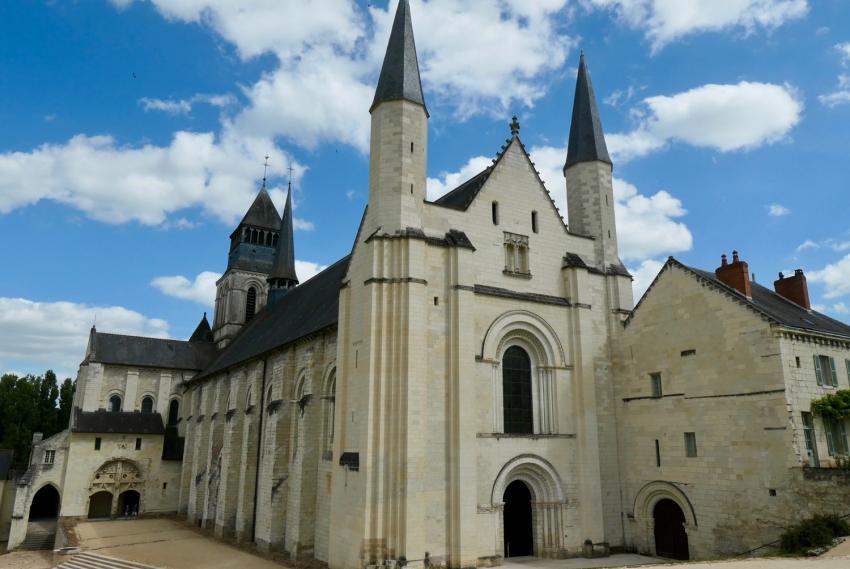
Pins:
x,y
794,288
735,274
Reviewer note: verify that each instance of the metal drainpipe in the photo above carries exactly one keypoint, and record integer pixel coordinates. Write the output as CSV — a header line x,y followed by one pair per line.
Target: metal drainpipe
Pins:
x,y
259,454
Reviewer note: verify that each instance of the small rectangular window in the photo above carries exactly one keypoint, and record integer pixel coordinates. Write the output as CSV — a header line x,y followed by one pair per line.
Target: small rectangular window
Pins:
x,y
138,444
797,360
164,485
686,353
825,371
494,209
690,444
657,453
534,221
97,443
655,384
516,254
436,301
49,456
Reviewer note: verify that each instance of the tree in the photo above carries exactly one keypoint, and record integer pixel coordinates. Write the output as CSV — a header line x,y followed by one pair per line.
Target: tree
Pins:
x,y
32,404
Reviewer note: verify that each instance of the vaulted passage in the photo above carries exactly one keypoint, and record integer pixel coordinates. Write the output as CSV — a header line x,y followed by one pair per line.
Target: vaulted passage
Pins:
x,y
100,505
671,540
128,503
45,504
518,525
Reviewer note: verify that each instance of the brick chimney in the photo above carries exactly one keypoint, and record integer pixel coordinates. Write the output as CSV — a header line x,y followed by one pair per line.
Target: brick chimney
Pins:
x,y
735,274
794,288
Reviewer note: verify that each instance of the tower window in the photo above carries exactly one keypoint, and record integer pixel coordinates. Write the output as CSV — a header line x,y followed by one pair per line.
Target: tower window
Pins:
x,y
657,453
495,212
534,221
655,384
516,254
147,404
115,404
173,412
690,444
251,304
411,148
97,443
139,443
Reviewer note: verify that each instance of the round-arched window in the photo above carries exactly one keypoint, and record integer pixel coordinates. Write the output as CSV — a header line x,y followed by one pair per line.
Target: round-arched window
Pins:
x,y
173,412
115,403
147,404
251,304
516,391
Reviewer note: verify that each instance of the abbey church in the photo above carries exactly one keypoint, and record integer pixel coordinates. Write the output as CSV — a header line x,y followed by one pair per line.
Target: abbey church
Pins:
x,y
471,383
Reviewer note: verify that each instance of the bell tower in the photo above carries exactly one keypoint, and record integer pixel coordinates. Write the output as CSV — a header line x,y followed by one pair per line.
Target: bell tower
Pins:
x,y
242,291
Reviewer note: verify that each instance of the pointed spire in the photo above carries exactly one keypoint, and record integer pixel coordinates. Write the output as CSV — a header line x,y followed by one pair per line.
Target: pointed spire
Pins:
x,y
399,78
202,333
262,213
587,142
282,275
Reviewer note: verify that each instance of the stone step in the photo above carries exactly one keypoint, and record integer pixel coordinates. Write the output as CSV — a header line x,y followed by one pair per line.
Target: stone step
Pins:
x,y
88,560
34,542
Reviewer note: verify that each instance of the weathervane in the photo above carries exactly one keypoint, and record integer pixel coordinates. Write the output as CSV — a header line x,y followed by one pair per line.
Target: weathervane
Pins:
x,y
514,127
290,176
265,169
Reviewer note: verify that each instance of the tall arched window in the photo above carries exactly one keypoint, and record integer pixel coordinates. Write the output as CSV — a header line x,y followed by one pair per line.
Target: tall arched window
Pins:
x,y
115,403
249,398
516,391
147,404
329,397
173,412
251,304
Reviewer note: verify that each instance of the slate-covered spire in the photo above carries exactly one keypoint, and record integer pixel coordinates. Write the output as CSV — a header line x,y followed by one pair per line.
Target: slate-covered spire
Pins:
x,y
587,142
282,276
399,78
262,212
202,333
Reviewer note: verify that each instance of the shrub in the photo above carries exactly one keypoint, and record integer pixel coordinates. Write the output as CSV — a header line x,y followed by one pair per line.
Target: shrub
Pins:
x,y
818,531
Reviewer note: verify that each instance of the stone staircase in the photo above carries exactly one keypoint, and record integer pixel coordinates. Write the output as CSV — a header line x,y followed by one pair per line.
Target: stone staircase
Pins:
x,y
40,535
89,560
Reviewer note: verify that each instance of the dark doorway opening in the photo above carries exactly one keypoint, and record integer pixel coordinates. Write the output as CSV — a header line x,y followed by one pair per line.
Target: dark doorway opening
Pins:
x,y
128,504
45,504
100,505
518,525
671,540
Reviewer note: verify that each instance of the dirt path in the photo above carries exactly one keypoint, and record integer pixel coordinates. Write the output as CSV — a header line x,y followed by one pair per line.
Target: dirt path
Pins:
x,y
27,560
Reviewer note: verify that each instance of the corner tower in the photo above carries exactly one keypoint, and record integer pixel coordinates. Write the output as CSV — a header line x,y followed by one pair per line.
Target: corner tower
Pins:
x,y
588,170
398,152
241,292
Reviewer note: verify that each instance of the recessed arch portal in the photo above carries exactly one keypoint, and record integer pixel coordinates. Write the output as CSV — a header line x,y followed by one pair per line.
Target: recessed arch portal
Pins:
x,y
45,503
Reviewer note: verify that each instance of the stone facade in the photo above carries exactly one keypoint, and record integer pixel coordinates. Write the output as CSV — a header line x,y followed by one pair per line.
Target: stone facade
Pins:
x,y
739,383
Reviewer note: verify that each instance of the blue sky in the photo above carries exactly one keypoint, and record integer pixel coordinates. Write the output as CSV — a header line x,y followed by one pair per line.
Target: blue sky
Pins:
x,y
134,131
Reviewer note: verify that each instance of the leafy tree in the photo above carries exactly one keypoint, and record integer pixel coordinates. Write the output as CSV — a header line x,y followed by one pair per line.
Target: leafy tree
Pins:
x,y
32,404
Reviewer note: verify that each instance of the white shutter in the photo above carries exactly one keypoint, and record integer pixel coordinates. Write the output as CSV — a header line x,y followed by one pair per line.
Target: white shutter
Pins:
x,y
818,373
832,371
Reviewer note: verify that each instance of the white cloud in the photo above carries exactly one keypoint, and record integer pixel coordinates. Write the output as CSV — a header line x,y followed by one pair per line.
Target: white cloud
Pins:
x,y
840,308
835,245
722,117
116,184
200,290
330,53
646,225
835,277
54,334
643,275
807,244
184,106
777,210
664,21
842,94
307,270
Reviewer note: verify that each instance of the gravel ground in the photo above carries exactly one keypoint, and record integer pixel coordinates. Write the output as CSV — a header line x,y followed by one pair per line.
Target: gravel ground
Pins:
x,y
27,560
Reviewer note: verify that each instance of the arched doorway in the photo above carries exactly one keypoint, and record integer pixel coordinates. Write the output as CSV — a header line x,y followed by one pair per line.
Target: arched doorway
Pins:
x,y
671,540
128,504
517,520
45,504
100,505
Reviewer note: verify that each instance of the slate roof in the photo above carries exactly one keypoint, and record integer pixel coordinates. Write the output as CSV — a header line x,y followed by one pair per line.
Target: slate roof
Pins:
x,y
284,258
462,196
202,333
399,78
7,456
781,310
262,213
307,308
149,352
124,422
587,141
765,301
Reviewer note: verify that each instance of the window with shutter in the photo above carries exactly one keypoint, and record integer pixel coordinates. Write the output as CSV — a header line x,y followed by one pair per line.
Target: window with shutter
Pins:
x,y
818,373
847,363
833,375
830,442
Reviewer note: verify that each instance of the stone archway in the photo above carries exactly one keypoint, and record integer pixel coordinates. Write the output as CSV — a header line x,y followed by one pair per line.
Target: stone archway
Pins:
x,y
665,519
115,478
100,505
530,481
128,503
45,504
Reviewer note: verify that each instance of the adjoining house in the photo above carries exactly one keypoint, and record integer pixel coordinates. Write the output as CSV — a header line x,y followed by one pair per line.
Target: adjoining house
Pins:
x,y
719,447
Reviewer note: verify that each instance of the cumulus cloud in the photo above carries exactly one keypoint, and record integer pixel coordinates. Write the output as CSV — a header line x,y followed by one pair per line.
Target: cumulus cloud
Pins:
x,y
664,21
777,210
201,289
722,117
184,106
54,334
115,183
835,277
842,94
329,55
447,181
306,270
